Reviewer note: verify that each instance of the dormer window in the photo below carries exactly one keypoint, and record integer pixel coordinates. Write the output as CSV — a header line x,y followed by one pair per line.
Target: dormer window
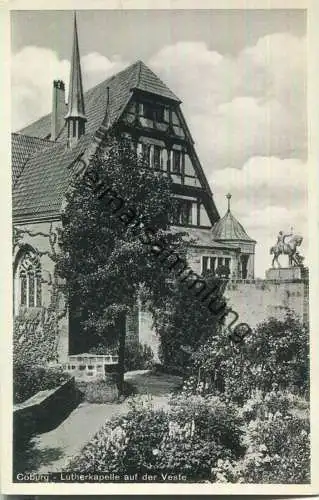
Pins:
x,y
154,112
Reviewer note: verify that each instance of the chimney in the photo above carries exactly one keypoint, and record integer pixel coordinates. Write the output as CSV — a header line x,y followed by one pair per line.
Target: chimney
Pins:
x,y
58,108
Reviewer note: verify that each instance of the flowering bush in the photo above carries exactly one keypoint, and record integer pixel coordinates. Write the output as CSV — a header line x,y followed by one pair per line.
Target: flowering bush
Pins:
x,y
213,420
188,438
277,444
262,404
278,450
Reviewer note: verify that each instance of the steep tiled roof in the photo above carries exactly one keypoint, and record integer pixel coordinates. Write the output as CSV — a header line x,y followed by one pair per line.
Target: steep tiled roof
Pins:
x,y
137,76
43,182
22,147
150,82
229,229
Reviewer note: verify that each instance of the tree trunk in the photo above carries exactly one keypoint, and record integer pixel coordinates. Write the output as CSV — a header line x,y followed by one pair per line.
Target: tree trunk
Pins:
x,y
122,332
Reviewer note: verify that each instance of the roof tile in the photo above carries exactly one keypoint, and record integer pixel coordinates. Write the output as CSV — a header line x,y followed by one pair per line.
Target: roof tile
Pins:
x,y
43,183
22,147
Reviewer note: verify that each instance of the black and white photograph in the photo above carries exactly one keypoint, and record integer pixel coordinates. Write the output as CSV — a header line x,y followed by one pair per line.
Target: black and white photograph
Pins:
x,y
160,248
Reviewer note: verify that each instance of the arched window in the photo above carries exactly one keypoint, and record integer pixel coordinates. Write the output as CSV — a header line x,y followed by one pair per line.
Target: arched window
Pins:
x,y
29,275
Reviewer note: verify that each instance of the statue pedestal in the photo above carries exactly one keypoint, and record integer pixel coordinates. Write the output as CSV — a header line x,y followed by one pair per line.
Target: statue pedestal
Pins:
x,y
285,273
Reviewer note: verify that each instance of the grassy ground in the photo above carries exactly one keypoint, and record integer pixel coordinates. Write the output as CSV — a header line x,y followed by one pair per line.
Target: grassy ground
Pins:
x,y
156,384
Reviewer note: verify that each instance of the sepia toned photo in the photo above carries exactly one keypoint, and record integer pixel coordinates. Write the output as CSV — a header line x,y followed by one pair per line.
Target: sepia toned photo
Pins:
x,y
160,248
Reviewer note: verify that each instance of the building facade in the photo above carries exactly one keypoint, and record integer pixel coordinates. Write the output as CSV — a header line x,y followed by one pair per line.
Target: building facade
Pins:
x,y
137,105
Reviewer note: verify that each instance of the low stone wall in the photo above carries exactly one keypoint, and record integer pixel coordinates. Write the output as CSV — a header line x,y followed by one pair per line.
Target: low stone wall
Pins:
x,y
44,411
88,367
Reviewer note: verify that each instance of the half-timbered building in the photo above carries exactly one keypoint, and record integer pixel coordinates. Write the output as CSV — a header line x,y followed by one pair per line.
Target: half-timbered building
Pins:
x,y
136,104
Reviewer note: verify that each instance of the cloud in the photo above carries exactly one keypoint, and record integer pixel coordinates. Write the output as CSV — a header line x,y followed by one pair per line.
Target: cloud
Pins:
x,y
96,68
33,71
240,107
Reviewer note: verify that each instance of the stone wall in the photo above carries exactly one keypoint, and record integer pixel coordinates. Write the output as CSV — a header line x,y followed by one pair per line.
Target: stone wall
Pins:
x,y
253,300
257,300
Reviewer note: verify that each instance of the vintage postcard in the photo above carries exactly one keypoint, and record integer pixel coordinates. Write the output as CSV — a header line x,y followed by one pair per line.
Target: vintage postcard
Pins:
x,y
161,321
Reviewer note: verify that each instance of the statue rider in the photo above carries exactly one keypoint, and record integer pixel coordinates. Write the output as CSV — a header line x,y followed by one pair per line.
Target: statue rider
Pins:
x,y
281,239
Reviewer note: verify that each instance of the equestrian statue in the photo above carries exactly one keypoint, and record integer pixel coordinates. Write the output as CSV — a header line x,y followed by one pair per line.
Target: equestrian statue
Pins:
x,y
287,248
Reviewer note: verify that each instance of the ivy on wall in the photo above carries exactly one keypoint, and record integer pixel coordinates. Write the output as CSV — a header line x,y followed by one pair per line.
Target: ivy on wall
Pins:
x,y
36,330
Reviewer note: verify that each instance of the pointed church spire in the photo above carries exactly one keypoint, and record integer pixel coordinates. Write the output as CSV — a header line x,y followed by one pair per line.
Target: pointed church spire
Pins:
x,y
75,117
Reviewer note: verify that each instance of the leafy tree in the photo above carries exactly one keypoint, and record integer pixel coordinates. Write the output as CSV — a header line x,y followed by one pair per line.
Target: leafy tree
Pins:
x,y
187,320
115,226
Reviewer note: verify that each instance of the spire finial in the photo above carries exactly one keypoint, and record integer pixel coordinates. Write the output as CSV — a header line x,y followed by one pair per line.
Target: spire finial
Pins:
x,y
76,112
228,196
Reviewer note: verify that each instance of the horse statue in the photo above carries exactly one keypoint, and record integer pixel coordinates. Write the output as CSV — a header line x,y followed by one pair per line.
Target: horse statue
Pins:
x,y
289,248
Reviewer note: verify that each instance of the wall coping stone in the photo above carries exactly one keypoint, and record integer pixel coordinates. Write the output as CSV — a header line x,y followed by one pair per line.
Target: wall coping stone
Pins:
x,y
38,398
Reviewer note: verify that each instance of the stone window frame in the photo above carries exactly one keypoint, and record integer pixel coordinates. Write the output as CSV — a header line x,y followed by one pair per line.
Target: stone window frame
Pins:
x,y
28,274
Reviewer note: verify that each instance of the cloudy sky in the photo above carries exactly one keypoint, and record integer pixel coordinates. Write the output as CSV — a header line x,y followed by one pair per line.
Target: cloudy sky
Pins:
x,y
240,74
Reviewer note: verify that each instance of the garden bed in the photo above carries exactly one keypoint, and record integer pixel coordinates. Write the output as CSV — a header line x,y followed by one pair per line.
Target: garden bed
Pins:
x,y
204,439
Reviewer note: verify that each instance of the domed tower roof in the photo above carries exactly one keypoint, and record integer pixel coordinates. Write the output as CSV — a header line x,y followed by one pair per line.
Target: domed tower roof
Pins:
x,y
228,228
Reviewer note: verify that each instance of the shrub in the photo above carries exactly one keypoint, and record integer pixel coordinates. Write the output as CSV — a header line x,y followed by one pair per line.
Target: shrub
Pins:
x,y
260,405
35,337
187,439
277,352
212,419
138,356
103,391
28,380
